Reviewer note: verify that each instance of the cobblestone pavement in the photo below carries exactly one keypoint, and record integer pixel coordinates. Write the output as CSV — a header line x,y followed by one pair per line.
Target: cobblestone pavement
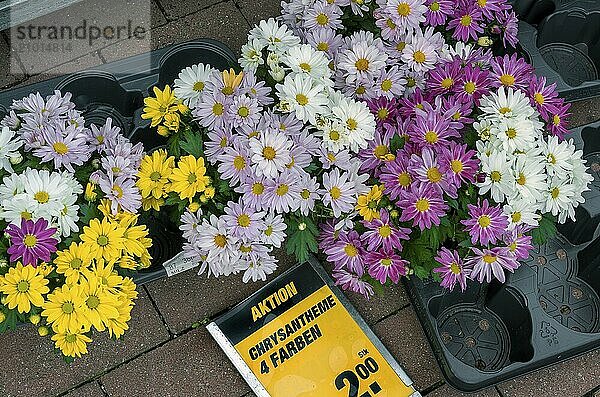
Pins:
x,y
167,352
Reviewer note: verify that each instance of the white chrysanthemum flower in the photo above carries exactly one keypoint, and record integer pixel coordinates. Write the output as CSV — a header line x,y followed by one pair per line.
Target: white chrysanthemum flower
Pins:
x,y
521,212
362,61
216,240
66,222
259,268
530,178
277,38
9,146
515,134
359,122
305,97
558,156
499,180
335,136
420,55
560,199
11,186
19,207
191,83
506,103
252,55
49,190
274,232
580,176
270,153
305,59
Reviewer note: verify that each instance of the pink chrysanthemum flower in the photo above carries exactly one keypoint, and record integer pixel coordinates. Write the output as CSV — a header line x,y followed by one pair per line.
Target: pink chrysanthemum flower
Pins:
x,y
424,206
491,262
453,270
382,233
347,252
511,71
486,224
466,23
386,265
458,163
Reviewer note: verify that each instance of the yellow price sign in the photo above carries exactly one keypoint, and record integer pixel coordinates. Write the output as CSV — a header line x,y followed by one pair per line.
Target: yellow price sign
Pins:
x,y
299,337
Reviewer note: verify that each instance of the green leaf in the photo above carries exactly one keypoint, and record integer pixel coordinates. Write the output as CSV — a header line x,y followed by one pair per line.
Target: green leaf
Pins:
x,y
545,231
192,142
396,143
89,211
302,238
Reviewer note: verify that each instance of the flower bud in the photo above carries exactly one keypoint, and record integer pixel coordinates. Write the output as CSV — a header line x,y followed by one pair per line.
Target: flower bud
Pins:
x,y
2,317
35,319
90,192
16,158
194,206
3,263
96,163
394,214
485,41
277,73
302,226
43,331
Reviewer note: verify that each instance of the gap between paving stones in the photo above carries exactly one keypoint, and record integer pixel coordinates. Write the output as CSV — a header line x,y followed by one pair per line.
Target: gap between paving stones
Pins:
x,y
160,315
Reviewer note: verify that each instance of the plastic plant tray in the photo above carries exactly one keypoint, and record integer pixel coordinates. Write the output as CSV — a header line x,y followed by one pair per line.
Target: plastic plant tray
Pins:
x,y
117,90
561,38
547,311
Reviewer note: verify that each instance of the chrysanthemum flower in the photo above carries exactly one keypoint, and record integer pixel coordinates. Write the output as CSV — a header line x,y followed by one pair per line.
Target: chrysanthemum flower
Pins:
x,y
339,192
358,120
385,265
62,309
191,83
211,112
367,204
407,13
511,71
270,153
486,224
474,82
423,205
32,241
156,108
153,176
426,168
459,163
234,163
432,129
9,146
396,177
189,177
557,118
347,252
244,111
518,243
104,239
382,233
71,343
466,22
453,271
305,98
283,192
243,221
23,286
491,262
438,12
73,261
304,59
99,306
443,78
348,281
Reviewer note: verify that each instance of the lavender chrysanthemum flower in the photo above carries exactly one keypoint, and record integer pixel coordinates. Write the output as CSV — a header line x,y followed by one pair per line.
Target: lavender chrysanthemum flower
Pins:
x,y
215,146
122,192
511,71
381,233
339,192
486,224
118,166
375,155
386,265
424,206
103,137
391,83
473,84
65,147
491,262
32,242
253,191
459,164
427,170
274,232
351,282
234,163
453,270
431,129
190,225
443,78
328,234
396,177
407,13
323,16
509,25
244,111
256,89
466,22
309,193
244,221
347,252
459,109
327,41
518,243
557,118
283,192
216,239
211,111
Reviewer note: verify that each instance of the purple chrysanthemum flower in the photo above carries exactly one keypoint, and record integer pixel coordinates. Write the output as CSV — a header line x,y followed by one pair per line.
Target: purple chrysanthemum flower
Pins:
x,y
442,79
509,25
234,163
491,262
396,177
347,252
408,106
211,111
431,129
384,265
511,71
103,137
458,163
244,111
376,154
253,190
489,8
474,82
122,192
458,109
384,110
256,89
466,22
427,170
424,206
328,234
32,242
518,243
215,146
283,192
382,233
65,147
486,224
557,118
541,95
453,270
438,12
244,221
351,282
327,41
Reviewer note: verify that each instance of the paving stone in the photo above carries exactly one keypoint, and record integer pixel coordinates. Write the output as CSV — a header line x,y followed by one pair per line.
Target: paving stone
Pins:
x,y
267,9
377,307
403,336
178,8
571,378
90,390
187,298
597,393
448,391
190,365
584,112
222,22
41,372
10,67
41,55
88,61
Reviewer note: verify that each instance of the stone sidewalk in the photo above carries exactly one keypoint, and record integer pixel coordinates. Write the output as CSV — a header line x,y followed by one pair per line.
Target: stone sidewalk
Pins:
x,y
167,352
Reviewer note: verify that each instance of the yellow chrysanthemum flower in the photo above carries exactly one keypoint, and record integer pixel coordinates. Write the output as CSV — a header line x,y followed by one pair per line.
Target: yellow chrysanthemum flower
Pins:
x,y
23,287
154,174
128,290
104,239
63,307
90,192
71,343
189,178
367,203
117,326
162,104
73,261
231,81
99,306
109,278
151,202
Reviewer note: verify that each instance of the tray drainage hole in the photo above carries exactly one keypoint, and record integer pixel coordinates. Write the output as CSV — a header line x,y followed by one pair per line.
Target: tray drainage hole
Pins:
x,y
577,293
484,325
446,337
561,254
480,364
541,260
595,167
470,342
543,304
565,310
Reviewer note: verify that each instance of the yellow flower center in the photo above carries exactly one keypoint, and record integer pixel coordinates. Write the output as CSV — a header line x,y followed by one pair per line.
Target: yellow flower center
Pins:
x,y
431,137
198,86
386,262
521,180
411,82
30,240
484,221
350,250
481,3
504,110
335,192
218,109
403,9
422,205
100,139
400,47
60,148
71,338
269,231
305,194
102,240
456,116
331,157
301,99
258,188
457,166
390,24
305,66
26,215
323,46
269,153
435,6
75,263
118,190
555,192
227,90
447,82
455,268
92,302
466,20
516,217
489,258
41,197
239,163
495,176
243,220
381,151
155,176
282,189
23,286
511,133
556,119
419,56
404,179
68,308
360,90
223,142
362,64
243,111
434,175
220,241
539,98
551,158
385,231
382,114
470,87
322,19
351,124
192,178
334,135
507,80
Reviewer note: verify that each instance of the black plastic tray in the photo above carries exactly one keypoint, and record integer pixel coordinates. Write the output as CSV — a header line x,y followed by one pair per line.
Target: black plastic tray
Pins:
x,y
547,311
561,38
117,90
